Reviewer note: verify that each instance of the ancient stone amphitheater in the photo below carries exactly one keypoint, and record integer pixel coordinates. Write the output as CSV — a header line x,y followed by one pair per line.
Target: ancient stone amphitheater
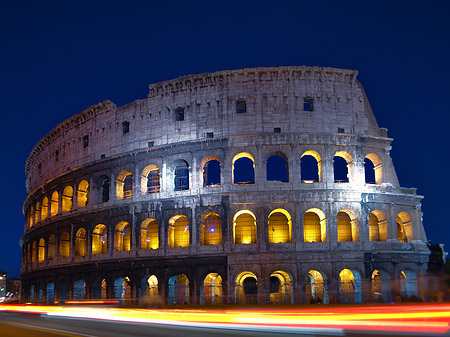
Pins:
x,y
259,185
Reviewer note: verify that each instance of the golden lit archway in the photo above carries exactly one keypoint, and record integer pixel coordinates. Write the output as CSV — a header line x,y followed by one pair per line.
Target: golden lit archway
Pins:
x,y
246,288
149,234
99,239
150,180
83,193
211,290
314,226
377,167
67,199
64,245
244,227
405,232
80,242
280,287
122,236
44,209
210,229
280,226
124,185
347,225
178,231
54,204
378,226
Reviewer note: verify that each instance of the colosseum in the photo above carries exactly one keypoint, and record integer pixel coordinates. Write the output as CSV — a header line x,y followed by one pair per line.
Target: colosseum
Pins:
x,y
260,185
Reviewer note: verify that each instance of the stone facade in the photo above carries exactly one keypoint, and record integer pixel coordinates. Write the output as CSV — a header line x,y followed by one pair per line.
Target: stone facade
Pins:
x,y
282,221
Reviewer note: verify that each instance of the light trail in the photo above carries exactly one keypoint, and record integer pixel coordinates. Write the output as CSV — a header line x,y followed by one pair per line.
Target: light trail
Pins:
x,y
429,318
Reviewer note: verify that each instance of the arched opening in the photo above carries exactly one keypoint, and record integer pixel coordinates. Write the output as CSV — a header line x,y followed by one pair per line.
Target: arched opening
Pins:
x,y
41,250
29,253
244,227
37,210
149,293
246,288
51,248
54,204
278,168
179,289
381,288
377,226
122,237
79,290
64,245
40,294
181,175
350,286
80,242
280,226
99,289
316,289
150,180
122,288
178,231
33,252
210,229
124,185
373,169
63,290
243,168
67,199
50,293
104,189
280,287
149,234
311,167
405,231
44,209
211,290
347,226
408,283
32,299
314,226
211,171
342,165
31,217
99,239
83,193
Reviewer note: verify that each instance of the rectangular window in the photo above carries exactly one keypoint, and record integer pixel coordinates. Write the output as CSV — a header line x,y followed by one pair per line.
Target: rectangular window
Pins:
x,y
179,114
125,127
209,135
151,144
56,155
276,130
85,141
102,156
308,104
241,107
341,130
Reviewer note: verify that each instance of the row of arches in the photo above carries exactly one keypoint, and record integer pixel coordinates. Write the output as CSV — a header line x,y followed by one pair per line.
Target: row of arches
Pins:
x,y
279,230
243,172
245,288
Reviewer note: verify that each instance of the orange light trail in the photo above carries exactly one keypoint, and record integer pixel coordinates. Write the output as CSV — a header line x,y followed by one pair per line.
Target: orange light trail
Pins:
x,y
429,318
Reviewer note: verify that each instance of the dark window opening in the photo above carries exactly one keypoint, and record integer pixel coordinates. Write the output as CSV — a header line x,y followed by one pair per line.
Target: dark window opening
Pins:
x,y
341,130
369,171
151,144
105,190
308,104
250,287
181,177
211,173
340,170
277,169
274,284
179,114
276,130
85,141
209,135
125,127
309,168
56,155
39,168
153,185
241,107
244,172
102,156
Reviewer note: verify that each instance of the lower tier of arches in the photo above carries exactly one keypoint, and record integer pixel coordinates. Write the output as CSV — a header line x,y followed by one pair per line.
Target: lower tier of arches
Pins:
x,y
231,280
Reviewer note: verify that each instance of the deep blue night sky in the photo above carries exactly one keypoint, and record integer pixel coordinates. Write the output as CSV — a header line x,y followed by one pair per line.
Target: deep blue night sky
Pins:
x,y
60,57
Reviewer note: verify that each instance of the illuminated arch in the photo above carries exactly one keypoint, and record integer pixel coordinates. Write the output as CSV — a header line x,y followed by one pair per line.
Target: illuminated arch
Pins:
x,y
374,169
178,231
316,289
280,226
244,227
314,226
210,169
122,288
380,284
122,236
83,193
347,225
210,229
342,167
124,185
54,203
211,290
99,239
41,251
51,253
31,216
350,286
149,234
64,245
44,209
311,167
149,292
243,168
150,180
67,199
378,230
405,232
246,288
80,242
408,283
179,289
280,288
37,211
